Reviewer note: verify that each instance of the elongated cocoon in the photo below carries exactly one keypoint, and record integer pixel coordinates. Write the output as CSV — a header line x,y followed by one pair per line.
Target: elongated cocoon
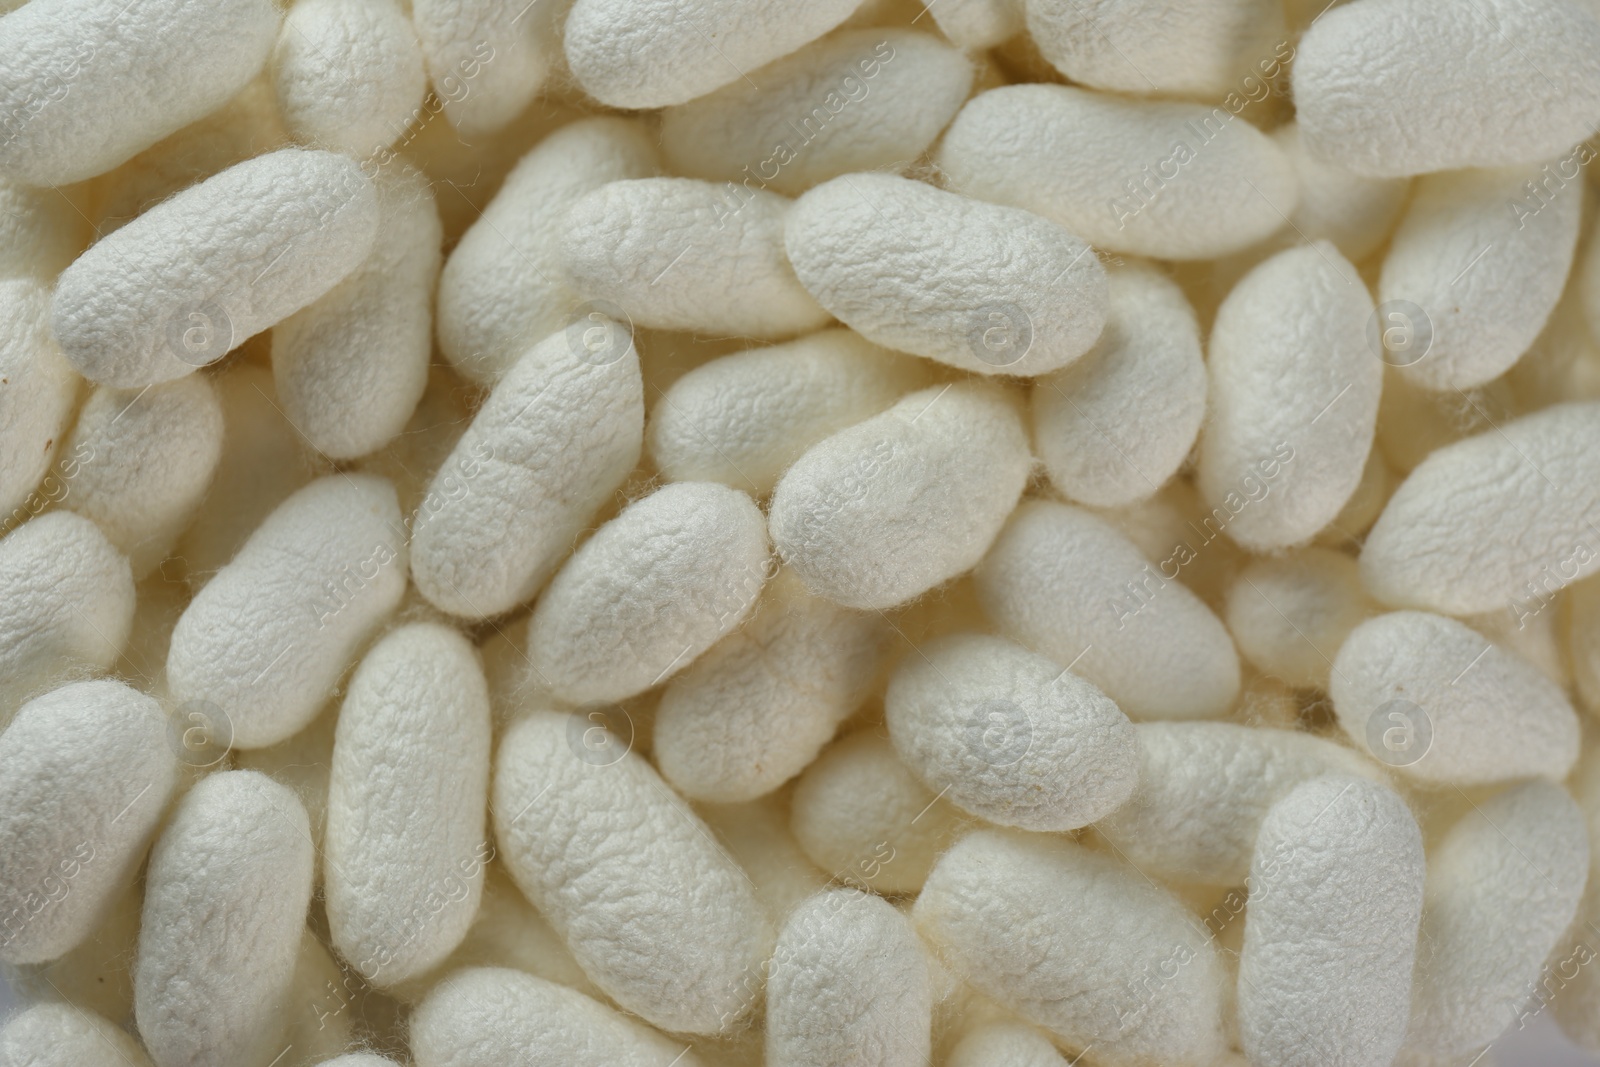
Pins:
x,y
886,510
743,419
85,773
1433,698
1067,585
267,638
41,232
1330,931
37,389
658,916
651,590
984,288
657,53
224,908
679,254
59,1035
1204,788
1114,426
1009,736
1502,887
555,439
504,286
191,279
144,461
486,58
1005,1045
405,846
1352,210
1493,520
1485,277
1154,178
1289,614
1294,398
348,76
66,65
1072,940
351,367
860,100
66,603
1384,110
755,710
848,986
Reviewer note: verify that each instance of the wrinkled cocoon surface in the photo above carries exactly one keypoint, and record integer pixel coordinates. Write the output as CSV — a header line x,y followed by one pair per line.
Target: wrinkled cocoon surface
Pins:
x,y
1353,211
1158,178
1380,88
1205,787
1289,614
1294,398
1408,676
658,916
37,390
266,639
1502,519
410,774
848,986
860,100
545,451
886,510
225,904
59,1035
1009,736
66,67
651,590
980,287
195,276
1114,426
1072,940
485,58
1069,586
85,773
1330,932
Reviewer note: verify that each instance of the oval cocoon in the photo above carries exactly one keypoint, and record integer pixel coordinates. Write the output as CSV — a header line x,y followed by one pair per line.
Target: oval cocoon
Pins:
x,y
59,1035
37,390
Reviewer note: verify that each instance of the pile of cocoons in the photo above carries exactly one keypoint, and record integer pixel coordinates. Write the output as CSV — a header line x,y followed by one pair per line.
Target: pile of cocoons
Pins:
x,y
805,533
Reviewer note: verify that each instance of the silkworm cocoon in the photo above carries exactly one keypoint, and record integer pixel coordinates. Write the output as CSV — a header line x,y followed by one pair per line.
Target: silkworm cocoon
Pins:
x,y
1195,48
225,905
658,916
1486,278
66,603
1353,211
657,53
554,440
650,591
1386,111
941,469
863,817
1502,887
1155,178
66,65
978,24
1077,942
755,710
1114,426
41,231
757,835
37,390
486,59
267,638
1294,398
1009,736
144,460
351,367
1289,614
348,76
1433,698
848,985
1067,585
85,772
680,254
1330,931
981,287
860,100
504,285
58,1035
743,419
406,796
1494,520
189,280
1204,788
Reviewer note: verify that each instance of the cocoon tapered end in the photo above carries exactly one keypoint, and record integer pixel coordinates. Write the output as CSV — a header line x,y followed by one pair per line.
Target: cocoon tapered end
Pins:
x,y
1290,614
37,390
58,1035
